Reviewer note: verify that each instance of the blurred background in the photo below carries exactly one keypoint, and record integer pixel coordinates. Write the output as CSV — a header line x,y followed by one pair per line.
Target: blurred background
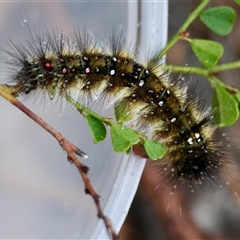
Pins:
x,y
55,186
209,212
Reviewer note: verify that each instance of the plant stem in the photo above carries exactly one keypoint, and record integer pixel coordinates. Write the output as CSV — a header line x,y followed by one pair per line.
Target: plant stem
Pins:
x,y
202,71
185,25
186,69
108,121
224,67
5,92
84,110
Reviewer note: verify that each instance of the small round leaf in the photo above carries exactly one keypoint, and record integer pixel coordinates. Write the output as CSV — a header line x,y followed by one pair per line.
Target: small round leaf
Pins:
x,y
123,137
154,150
97,128
219,19
225,106
208,52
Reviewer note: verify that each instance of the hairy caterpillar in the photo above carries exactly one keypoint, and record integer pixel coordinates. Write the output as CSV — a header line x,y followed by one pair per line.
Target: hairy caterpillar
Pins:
x,y
164,109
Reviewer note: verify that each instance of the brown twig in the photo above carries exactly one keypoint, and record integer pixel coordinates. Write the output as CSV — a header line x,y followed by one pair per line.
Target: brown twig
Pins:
x,y
72,152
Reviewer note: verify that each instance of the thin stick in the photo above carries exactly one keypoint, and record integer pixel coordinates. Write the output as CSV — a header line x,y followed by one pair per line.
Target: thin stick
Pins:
x,y
72,152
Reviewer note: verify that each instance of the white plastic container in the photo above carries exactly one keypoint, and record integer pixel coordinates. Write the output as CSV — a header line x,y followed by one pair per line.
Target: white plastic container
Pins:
x,y
42,195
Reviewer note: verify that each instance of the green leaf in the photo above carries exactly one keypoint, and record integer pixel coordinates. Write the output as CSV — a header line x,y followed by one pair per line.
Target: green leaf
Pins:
x,y
123,137
238,97
128,151
154,150
208,52
219,19
225,106
237,2
97,128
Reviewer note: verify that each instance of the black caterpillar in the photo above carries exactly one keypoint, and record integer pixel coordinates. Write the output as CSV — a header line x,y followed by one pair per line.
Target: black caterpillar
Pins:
x,y
164,109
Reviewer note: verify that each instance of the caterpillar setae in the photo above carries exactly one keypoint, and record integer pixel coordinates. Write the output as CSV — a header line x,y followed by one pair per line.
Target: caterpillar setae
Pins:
x,y
165,108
